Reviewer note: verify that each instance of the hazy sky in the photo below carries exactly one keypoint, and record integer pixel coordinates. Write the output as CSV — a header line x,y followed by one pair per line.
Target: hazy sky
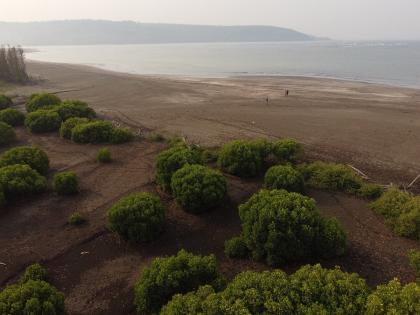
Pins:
x,y
338,19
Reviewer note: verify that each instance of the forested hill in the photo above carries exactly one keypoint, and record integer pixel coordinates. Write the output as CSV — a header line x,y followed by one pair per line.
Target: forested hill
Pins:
x,y
90,32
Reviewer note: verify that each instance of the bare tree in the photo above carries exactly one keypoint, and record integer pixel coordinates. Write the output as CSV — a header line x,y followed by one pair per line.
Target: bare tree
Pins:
x,y
12,65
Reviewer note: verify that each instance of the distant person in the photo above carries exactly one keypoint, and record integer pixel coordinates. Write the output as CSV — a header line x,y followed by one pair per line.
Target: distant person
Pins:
x,y
286,93
267,100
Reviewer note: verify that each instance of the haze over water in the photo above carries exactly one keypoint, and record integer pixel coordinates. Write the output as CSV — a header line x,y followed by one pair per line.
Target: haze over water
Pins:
x,y
395,63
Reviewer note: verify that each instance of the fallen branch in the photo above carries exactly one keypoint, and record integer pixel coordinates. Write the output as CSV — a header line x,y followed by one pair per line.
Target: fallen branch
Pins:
x,y
414,181
363,175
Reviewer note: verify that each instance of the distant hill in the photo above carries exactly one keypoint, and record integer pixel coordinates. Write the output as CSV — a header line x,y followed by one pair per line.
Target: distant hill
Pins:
x,y
90,32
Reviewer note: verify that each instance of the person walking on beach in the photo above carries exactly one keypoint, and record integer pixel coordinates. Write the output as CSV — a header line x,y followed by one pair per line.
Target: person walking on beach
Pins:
x,y
286,93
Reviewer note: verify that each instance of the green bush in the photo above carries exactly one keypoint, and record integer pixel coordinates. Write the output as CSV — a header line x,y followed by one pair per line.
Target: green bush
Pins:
x,y
76,219
414,258
5,101
31,298
12,117
372,191
171,275
210,155
311,290
241,158
71,109
279,227
68,125
401,211
92,132
42,101
18,181
34,272
104,156
288,150
155,137
284,177
7,134
236,248
66,183
263,146
42,121
198,188
121,135
34,157
393,298
137,217
171,160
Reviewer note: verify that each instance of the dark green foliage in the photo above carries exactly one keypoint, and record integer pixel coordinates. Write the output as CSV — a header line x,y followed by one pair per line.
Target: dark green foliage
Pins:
x,y
401,211
167,276
121,135
288,150
198,188
393,298
2,198
236,248
155,137
32,156
210,155
68,125
171,160
12,116
284,177
34,272
92,132
414,258
138,217
42,101
7,134
70,109
241,158
279,227
372,191
19,181
104,156
43,121
331,241
263,146
31,298
311,290
66,183
5,101
76,219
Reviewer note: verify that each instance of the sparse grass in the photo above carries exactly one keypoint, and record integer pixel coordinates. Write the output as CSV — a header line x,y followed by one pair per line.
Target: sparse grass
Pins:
x,y
155,137
76,219
104,156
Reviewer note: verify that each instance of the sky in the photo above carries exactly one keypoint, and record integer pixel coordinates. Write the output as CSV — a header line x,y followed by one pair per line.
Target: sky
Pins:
x,y
336,19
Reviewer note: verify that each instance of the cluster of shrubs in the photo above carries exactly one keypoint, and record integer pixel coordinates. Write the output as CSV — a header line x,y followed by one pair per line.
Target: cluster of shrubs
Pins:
x,y
310,290
32,295
12,117
74,119
279,227
401,211
7,134
5,101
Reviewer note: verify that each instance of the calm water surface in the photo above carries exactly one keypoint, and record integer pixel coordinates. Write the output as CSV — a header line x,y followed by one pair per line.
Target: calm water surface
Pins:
x,y
396,63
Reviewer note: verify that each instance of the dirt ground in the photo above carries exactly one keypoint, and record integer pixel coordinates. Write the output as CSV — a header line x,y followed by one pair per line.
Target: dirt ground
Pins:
x,y
96,270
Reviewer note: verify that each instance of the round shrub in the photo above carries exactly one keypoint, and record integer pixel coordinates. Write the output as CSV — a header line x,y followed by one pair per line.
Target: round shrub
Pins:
x,y
92,132
12,117
240,158
34,272
263,146
68,125
236,248
43,121
171,160
284,177
7,134
42,101
121,135
104,156
5,102
171,275
66,183
71,109
198,188
76,219
393,298
20,180
32,297
288,150
34,157
137,217
279,227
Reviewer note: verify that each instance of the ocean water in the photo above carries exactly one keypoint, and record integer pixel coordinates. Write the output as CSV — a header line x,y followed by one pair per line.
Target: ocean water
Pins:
x,y
391,62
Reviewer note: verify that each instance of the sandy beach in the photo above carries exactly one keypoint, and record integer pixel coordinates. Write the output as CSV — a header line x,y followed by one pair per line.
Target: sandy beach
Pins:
x,y
373,127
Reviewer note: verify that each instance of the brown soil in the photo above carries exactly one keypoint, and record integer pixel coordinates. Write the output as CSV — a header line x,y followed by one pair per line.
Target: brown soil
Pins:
x,y
96,270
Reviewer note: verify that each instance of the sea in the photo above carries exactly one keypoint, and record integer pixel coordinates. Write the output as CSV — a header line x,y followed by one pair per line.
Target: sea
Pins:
x,y
388,62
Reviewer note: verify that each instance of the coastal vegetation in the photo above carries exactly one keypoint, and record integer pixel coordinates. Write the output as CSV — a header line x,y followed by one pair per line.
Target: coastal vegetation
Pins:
x,y
12,65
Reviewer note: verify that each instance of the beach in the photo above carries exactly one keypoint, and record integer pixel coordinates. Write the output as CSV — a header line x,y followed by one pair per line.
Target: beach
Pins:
x,y
372,127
